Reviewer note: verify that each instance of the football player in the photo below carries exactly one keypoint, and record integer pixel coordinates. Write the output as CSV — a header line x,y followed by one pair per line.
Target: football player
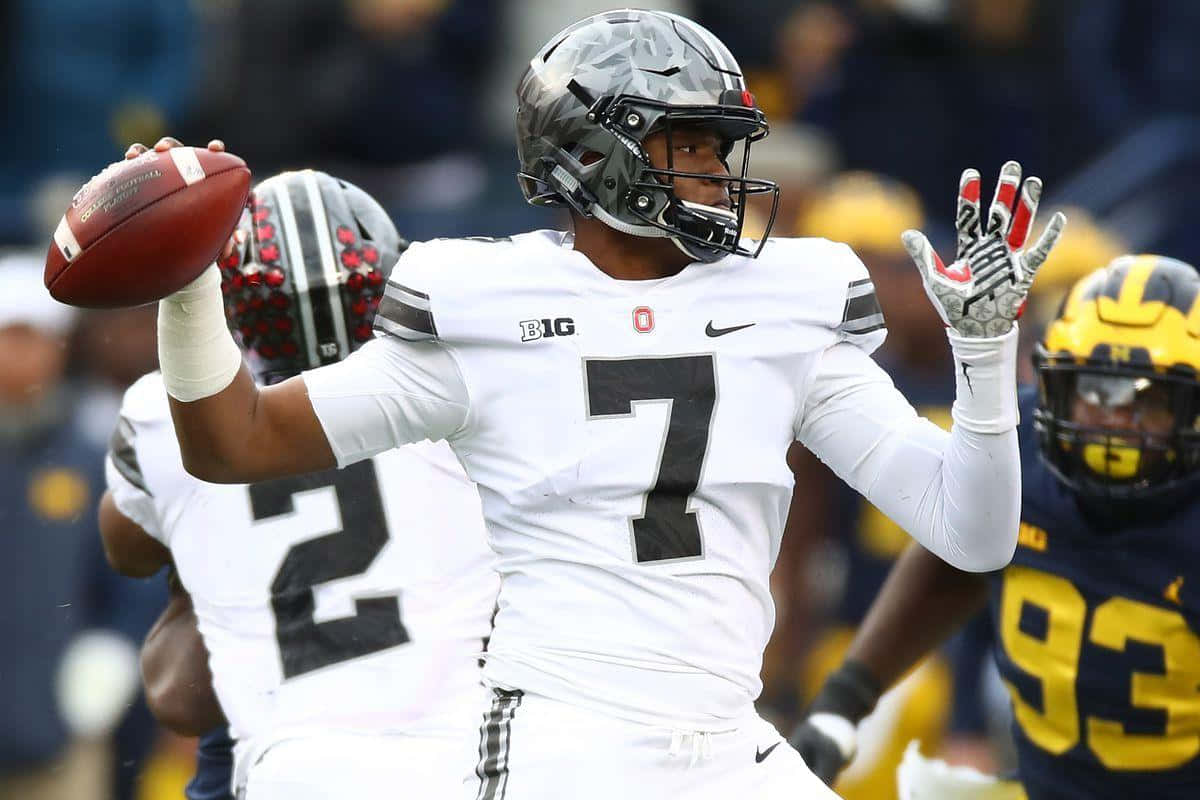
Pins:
x,y
624,395
343,610
1097,617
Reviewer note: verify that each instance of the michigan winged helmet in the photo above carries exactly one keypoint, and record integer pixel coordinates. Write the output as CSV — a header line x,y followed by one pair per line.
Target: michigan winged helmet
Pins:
x,y
1128,339
592,95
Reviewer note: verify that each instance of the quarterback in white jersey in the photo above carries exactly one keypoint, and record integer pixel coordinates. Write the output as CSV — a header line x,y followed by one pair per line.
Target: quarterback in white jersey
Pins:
x,y
624,396
344,611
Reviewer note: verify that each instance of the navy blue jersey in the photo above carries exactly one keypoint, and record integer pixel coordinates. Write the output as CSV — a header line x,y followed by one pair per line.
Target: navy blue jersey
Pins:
x,y
214,767
49,485
1097,639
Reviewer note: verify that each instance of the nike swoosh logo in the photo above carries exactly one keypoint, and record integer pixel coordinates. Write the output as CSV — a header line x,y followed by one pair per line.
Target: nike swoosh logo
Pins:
x,y
711,331
760,755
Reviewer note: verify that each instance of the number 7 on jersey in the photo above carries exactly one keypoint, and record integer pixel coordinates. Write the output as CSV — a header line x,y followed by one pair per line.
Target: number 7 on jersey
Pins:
x,y
666,530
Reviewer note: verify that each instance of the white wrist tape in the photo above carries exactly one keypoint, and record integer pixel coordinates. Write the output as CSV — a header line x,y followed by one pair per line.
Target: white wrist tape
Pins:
x,y
196,352
842,731
985,375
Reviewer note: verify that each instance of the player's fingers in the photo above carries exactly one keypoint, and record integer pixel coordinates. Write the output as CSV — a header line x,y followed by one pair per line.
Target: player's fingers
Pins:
x,y
166,143
216,145
236,240
1031,194
967,220
1001,211
135,150
1036,255
921,251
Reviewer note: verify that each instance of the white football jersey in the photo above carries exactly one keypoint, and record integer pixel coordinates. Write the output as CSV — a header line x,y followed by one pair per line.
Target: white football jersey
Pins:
x,y
629,441
354,599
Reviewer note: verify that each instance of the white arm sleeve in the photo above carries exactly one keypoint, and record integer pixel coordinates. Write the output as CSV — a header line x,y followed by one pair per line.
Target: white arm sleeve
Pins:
x,y
956,493
389,393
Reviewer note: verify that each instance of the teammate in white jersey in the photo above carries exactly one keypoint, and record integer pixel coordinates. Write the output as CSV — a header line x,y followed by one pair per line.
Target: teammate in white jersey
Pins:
x,y
344,610
624,395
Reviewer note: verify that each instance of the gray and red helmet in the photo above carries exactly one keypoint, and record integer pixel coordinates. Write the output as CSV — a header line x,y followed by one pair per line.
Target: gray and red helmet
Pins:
x,y
302,288
600,87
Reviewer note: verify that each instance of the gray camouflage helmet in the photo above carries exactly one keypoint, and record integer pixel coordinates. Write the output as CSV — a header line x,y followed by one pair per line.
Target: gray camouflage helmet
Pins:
x,y
600,87
304,287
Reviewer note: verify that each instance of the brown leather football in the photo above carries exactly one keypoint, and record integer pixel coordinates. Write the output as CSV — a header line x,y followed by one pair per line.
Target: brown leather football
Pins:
x,y
145,227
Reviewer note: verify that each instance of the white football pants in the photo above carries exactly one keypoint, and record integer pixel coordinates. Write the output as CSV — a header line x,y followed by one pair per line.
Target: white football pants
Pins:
x,y
534,748
338,766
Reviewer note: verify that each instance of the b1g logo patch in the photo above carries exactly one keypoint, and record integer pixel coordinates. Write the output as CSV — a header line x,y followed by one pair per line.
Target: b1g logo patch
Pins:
x,y
533,329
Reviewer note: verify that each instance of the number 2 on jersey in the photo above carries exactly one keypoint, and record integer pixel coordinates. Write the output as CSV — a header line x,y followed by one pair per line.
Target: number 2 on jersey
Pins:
x,y
665,530
304,643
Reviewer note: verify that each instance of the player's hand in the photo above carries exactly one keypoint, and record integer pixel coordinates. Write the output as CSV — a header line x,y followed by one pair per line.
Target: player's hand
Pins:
x,y
166,143
826,737
982,293
823,755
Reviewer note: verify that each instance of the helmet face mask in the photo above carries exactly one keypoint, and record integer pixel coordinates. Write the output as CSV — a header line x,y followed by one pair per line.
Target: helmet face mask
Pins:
x,y
1119,388
1116,433
703,232
603,86
302,287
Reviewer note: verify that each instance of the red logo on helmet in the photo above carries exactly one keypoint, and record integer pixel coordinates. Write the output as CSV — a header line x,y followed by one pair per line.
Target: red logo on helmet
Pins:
x,y
643,319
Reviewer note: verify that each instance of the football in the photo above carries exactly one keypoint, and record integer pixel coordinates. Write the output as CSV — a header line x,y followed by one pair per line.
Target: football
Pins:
x,y
145,227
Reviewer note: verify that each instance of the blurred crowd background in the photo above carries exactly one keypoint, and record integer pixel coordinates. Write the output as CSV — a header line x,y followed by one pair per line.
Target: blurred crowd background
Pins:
x,y
875,106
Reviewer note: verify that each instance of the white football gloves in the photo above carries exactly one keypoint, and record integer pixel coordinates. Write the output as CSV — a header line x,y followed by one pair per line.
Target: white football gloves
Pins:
x,y
983,291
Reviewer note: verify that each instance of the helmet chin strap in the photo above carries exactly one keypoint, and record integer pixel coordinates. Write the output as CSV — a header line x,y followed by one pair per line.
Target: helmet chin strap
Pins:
x,y
647,231
693,250
714,215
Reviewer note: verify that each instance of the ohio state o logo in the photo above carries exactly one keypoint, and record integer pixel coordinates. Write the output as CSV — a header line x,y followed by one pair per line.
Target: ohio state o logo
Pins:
x,y
643,319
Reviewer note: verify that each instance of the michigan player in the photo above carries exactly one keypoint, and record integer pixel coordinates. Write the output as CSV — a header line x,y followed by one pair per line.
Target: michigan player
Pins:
x,y
1098,618
179,692
343,610
624,395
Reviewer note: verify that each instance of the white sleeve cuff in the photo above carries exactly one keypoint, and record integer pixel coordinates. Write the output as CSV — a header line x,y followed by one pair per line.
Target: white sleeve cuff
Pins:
x,y
985,375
